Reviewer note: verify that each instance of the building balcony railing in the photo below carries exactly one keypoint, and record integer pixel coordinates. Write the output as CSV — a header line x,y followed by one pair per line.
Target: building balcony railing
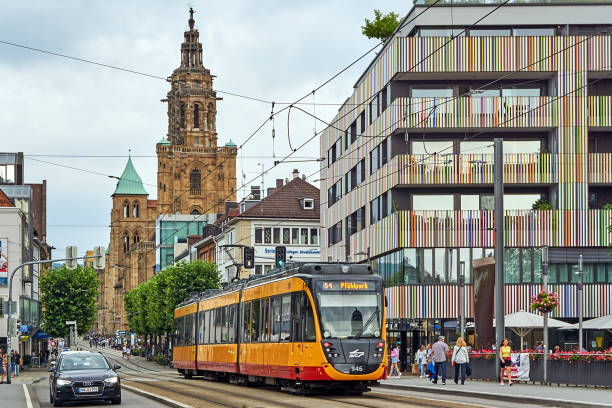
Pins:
x,y
600,110
195,192
519,168
523,228
143,246
476,112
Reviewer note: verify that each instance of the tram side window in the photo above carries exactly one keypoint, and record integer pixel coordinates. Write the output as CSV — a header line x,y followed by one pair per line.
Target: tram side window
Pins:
x,y
231,323
309,325
285,334
225,331
297,327
264,331
188,340
178,331
246,322
275,318
256,319
201,331
218,312
210,328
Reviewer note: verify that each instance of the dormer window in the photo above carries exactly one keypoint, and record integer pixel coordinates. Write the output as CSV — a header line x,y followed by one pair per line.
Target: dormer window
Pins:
x,y
307,203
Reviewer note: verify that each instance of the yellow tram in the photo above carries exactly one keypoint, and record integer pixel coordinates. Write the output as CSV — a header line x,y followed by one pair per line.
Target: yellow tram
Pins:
x,y
312,326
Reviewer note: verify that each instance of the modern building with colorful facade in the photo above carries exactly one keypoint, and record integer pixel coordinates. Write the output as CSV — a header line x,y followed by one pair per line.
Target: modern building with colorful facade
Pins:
x,y
408,180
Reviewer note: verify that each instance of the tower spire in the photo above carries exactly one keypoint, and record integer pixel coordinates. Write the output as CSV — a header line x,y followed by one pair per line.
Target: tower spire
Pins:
x,y
191,49
191,20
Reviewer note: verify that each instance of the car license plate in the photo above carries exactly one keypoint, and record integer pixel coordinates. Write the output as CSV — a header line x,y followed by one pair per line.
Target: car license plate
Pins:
x,y
88,389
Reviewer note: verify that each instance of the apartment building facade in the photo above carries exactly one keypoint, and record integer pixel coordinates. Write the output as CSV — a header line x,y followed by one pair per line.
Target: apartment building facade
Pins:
x,y
408,180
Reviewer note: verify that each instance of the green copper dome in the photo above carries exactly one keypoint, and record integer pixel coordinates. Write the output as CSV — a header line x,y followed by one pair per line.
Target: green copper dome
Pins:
x,y
130,182
164,142
230,144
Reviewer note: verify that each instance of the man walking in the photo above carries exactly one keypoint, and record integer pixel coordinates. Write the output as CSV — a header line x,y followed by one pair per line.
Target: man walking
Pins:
x,y
439,350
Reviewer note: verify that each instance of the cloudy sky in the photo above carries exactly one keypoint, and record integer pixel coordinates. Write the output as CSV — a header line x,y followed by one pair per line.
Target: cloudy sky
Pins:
x,y
53,109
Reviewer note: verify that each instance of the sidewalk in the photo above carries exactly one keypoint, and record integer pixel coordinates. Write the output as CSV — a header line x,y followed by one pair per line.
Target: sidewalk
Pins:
x,y
30,376
134,363
520,393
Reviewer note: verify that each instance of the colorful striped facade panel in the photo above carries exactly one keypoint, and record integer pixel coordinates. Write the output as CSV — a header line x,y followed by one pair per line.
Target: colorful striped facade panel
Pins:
x,y
442,301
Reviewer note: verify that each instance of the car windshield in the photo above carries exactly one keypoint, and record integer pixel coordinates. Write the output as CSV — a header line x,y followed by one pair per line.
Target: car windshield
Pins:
x,y
83,362
349,314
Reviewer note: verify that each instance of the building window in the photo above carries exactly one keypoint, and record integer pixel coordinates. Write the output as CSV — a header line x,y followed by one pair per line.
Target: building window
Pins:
x,y
196,116
267,235
258,235
257,269
210,117
304,236
126,242
314,236
277,235
136,209
182,115
308,203
295,236
334,234
195,211
195,181
286,235
126,209
380,207
136,237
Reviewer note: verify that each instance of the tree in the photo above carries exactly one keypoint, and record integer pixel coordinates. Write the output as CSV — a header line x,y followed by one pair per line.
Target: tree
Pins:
x,y
382,26
68,295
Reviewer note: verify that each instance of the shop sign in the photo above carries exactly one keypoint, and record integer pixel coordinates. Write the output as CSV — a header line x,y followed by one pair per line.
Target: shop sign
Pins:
x,y
3,262
24,338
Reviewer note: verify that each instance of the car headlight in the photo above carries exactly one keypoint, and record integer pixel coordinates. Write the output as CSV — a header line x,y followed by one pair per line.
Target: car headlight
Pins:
x,y
110,380
61,382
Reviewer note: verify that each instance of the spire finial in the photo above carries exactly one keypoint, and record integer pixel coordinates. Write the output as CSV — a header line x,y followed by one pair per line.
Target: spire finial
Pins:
x,y
191,20
130,153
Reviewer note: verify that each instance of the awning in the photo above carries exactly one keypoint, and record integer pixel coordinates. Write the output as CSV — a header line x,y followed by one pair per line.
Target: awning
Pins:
x,y
40,335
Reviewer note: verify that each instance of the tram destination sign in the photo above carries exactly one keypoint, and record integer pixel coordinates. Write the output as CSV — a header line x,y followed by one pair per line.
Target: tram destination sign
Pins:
x,y
346,285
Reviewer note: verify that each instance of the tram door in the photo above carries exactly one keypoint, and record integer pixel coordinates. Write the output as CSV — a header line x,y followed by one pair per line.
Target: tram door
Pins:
x,y
297,326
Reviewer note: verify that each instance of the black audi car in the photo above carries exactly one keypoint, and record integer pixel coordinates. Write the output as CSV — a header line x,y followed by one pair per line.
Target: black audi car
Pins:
x,y
83,376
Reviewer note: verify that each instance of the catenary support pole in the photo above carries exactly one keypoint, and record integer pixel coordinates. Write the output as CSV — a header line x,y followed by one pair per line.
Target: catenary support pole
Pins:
x,y
580,302
545,289
498,190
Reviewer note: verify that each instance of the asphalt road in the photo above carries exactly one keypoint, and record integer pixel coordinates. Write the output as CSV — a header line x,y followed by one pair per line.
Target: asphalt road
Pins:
x,y
128,399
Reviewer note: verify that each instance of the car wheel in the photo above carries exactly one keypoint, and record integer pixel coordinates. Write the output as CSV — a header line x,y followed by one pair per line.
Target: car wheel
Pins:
x,y
116,401
57,403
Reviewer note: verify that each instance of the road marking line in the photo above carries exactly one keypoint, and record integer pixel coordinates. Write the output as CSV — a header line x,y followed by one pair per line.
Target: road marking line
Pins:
x,y
156,397
27,396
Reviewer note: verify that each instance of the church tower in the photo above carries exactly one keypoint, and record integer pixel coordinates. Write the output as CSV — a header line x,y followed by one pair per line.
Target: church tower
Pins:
x,y
195,175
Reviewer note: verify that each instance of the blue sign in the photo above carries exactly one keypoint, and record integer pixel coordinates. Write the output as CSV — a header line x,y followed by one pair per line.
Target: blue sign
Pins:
x,y
23,328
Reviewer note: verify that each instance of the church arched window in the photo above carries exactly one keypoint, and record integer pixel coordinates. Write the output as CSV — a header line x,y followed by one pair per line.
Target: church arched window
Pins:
x,y
136,237
210,117
182,114
196,116
135,210
126,242
195,180
195,211
126,209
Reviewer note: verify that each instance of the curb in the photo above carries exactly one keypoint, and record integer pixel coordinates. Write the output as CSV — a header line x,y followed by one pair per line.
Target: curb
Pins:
x,y
33,396
166,401
523,399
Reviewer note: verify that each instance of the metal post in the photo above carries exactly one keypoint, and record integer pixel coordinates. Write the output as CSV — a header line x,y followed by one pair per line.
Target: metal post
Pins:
x,y
498,189
580,299
462,298
545,288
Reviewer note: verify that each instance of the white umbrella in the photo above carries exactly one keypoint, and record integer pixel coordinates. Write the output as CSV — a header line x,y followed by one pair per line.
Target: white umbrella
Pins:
x,y
598,323
522,323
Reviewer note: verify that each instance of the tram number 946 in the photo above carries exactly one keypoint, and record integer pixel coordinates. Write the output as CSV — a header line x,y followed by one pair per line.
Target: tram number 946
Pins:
x,y
357,368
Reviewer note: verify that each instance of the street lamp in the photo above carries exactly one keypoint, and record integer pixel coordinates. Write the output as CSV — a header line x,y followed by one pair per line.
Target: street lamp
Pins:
x,y
462,298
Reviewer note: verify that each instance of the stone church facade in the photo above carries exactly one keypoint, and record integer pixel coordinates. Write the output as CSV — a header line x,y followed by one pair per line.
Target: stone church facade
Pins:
x,y
194,177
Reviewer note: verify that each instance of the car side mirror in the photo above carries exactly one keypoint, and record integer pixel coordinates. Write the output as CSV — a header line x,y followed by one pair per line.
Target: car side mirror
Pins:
x,y
116,367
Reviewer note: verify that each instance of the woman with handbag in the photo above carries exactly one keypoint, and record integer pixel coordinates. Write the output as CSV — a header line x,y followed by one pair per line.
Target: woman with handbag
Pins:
x,y
460,360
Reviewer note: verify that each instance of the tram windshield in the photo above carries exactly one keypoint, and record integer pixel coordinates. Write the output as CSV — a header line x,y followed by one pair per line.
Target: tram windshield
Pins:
x,y
349,315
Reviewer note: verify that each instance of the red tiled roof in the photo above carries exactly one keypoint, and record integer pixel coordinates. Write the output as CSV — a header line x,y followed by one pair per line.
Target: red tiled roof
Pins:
x,y
151,203
285,202
5,201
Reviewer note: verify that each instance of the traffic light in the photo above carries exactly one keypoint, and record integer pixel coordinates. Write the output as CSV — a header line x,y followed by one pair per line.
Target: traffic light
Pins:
x,y
248,257
280,256
100,257
71,257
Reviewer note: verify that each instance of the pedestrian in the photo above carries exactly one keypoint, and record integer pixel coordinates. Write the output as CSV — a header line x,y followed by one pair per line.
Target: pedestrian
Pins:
x,y
557,350
2,367
539,347
460,360
128,352
505,362
394,361
439,350
124,351
421,358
